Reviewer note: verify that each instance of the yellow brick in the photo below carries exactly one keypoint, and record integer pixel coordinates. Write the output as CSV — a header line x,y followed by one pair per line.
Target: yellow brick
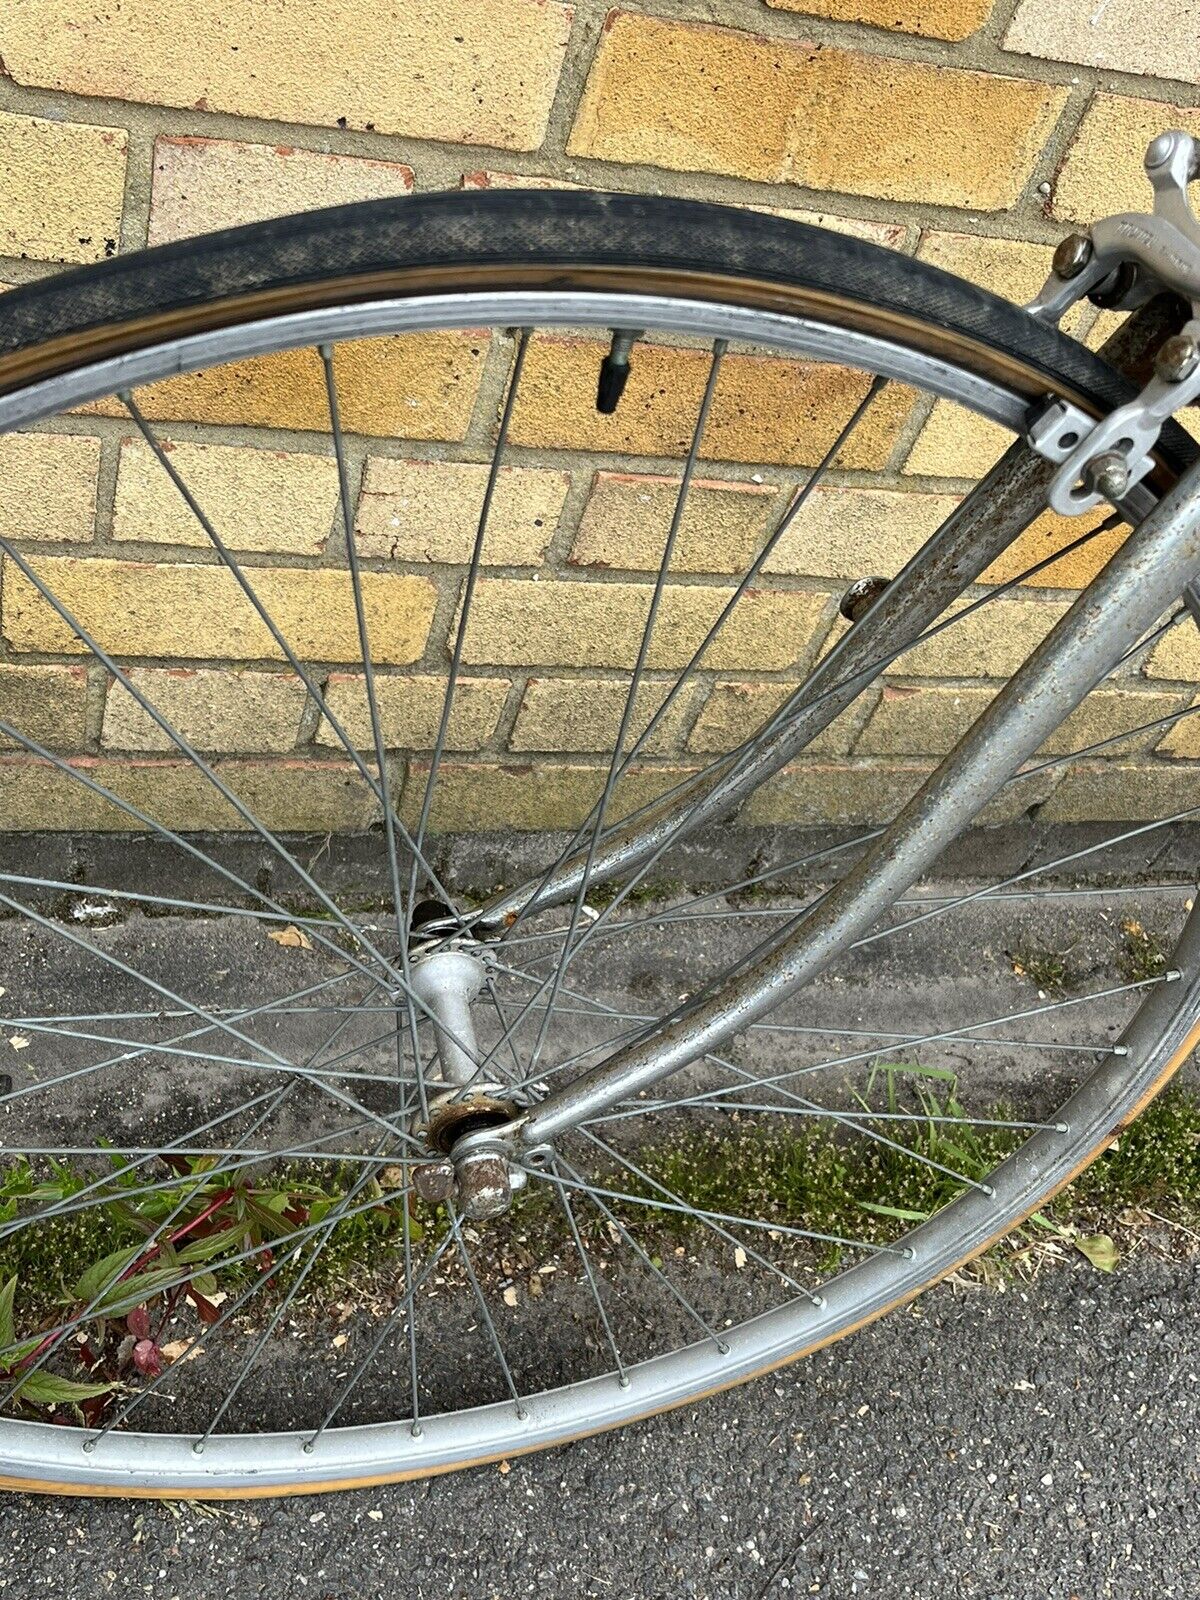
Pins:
x,y
410,709
921,722
1177,654
416,386
935,19
214,711
990,643
957,443
1182,739
204,184
835,794
62,186
286,796
857,795
46,704
429,511
192,611
268,500
485,797
735,711
514,621
575,714
850,533
1120,791
1049,533
1012,268
930,720
481,72
484,179
1155,37
784,111
627,518
1107,713
48,486
556,406
1103,170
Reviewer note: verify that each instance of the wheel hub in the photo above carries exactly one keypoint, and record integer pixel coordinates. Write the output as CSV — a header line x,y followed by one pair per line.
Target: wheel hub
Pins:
x,y
470,1163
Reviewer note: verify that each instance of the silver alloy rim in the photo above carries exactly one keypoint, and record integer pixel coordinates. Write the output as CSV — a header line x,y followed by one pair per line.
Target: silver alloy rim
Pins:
x,y
136,1461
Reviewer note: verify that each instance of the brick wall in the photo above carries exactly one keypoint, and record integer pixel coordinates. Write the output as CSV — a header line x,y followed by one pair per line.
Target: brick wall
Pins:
x,y
968,132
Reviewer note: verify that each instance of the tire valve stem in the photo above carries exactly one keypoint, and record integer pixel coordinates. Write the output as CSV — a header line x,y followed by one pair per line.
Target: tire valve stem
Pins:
x,y
614,369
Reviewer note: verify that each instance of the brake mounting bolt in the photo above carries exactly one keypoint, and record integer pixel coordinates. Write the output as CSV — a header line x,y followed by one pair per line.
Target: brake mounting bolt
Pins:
x,y
1072,254
1177,358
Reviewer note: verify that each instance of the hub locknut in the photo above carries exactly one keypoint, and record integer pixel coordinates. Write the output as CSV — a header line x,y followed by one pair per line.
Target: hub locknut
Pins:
x,y
484,1187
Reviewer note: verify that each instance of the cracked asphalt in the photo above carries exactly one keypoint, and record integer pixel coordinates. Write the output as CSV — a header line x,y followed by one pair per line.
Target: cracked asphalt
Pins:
x,y
1038,1443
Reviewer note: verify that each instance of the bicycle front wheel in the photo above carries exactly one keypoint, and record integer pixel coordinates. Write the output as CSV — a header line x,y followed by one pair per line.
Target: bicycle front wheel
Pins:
x,y
568,492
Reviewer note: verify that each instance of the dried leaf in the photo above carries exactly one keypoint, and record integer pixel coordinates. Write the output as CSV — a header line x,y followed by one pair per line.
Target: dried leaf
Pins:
x,y
180,1350
739,1257
340,1340
1100,1251
19,1042
510,1295
505,1469
291,937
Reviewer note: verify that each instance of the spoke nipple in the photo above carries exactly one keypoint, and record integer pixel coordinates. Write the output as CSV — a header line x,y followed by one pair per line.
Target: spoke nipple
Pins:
x,y
623,1380
818,1301
198,1448
308,1447
1173,976
1062,1127
417,1431
909,1253
1120,1049
722,1347
522,1414
88,1446
988,1190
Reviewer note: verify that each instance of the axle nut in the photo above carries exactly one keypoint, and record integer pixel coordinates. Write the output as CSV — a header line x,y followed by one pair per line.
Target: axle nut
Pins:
x,y
434,1181
484,1189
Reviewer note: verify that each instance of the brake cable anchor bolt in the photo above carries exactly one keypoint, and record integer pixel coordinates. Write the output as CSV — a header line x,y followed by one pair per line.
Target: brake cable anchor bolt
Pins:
x,y
1177,358
1108,475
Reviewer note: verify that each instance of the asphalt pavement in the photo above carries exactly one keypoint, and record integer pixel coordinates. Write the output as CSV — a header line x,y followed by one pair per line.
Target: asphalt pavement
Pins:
x,y
1036,1443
